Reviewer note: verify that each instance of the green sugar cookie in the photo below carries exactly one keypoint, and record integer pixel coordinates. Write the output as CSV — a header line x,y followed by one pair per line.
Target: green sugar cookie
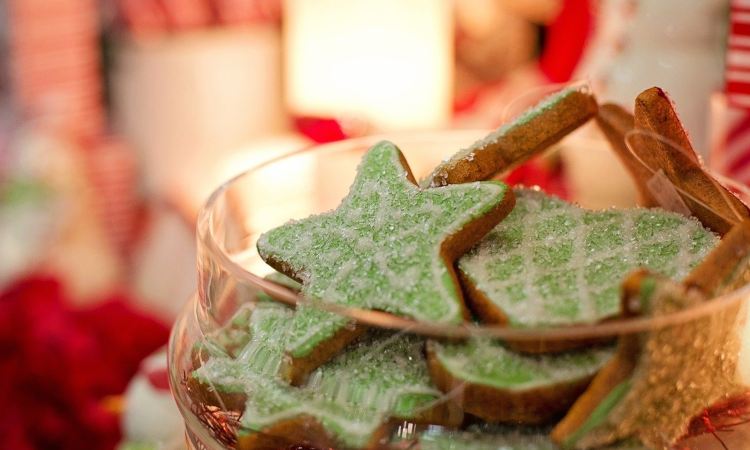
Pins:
x,y
500,385
389,246
234,335
283,280
493,437
346,402
226,340
553,263
532,132
262,328
637,393
486,437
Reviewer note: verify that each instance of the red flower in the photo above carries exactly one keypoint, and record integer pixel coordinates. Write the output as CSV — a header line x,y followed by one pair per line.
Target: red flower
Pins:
x,y
57,366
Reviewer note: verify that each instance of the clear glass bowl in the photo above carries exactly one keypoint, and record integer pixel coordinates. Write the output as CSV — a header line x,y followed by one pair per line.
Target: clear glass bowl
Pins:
x,y
314,180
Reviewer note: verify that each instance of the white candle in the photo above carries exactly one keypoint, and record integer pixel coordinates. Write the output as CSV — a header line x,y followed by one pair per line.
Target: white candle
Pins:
x,y
389,62
186,100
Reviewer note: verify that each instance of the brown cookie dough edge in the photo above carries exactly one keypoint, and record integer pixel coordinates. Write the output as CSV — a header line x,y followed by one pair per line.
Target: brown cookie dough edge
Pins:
x,y
519,143
488,312
655,113
295,370
722,269
615,122
217,411
444,413
617,370
457,244
530,407
302,431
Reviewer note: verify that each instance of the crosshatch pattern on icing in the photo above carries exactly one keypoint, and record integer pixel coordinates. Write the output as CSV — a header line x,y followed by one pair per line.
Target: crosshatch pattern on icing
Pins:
x,y
380,249
553,263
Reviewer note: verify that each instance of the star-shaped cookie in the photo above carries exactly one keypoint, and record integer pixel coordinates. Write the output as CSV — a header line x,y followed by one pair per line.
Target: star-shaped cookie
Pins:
x,y
389,246
639,393
347,403
655,148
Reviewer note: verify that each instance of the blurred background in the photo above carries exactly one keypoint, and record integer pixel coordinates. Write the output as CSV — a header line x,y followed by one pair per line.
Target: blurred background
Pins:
x,y
119,117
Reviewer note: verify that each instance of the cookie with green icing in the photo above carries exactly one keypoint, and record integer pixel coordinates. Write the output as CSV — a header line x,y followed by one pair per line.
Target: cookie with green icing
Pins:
x,y
637,394
493,437
612,406
389,246
501,385
283,280
486,437
254,335
228,339
529,134
552,263
347,402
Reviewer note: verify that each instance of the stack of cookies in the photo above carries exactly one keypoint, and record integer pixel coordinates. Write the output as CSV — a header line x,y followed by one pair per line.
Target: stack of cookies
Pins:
x,y
459,249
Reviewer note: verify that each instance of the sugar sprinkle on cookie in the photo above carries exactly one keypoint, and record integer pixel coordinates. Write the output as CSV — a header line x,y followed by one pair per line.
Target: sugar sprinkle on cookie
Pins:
x,y
633,395
501,385
551,262
346,402
389,246
513,143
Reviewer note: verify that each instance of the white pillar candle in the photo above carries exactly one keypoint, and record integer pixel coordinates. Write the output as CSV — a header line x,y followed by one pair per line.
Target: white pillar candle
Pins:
x,y
388,62
186,100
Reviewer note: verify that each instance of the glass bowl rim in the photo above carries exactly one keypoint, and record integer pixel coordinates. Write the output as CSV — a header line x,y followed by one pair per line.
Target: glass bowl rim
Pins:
x,y
607,328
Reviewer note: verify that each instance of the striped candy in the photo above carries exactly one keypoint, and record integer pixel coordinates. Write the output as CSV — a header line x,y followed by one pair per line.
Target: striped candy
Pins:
x,y
55,63
731,149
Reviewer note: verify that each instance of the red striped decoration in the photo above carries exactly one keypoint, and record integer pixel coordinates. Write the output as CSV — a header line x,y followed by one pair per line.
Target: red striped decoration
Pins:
x,y
144,17
731,153
737,73
114,175
55,63
732,156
